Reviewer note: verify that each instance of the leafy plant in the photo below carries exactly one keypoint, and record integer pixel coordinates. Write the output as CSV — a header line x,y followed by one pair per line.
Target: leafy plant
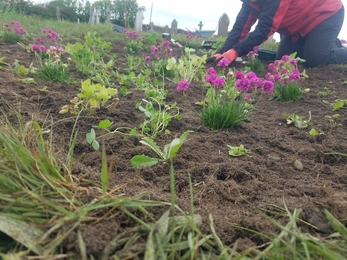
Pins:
x,y
325,92
91,98
237,151
13,32
135,43
339,103
168,153
156,120
254,64
187,67
298,121
22,70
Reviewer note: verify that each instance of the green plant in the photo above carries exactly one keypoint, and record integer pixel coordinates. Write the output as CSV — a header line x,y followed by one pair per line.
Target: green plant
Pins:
x,y
254,64
13,32
135,42
291,92
298,121
168,153
339,103
22,70
225,115
157,117
187,67
91,98
219,43
52,68
237,151
325,92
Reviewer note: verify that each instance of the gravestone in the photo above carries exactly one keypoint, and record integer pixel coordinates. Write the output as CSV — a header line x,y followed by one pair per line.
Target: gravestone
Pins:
x,y
166,29
108,14
138,20
223,25
57,11
151,26
91,14
174,27
97,16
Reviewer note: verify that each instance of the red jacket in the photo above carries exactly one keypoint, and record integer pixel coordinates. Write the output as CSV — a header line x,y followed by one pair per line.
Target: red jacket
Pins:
x,y
291,17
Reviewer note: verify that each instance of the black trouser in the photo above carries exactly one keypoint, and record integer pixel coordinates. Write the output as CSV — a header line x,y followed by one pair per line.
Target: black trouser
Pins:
x,y
316,48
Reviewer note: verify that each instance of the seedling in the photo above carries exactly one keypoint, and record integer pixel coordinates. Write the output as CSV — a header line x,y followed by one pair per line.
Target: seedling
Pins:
x,y
339,103
325,92
168,153
237,151
298,121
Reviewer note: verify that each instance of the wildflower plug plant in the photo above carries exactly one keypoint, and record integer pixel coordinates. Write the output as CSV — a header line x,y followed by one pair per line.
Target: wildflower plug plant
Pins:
x,y
254,64
13,32
229,99
286,76
158,59
53,68
135,41
187,68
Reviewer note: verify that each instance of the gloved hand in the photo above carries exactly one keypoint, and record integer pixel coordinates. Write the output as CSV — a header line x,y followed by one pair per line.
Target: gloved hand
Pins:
x,y
230,55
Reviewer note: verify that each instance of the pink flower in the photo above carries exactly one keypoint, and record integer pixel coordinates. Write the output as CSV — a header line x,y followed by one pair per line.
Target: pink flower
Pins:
x,y
250,75
211,71
243,84
182,86
268,86
218,82
248,96
210,78
223,63
6,25
147,59
239,75
166,43
9,29
343,41
153,49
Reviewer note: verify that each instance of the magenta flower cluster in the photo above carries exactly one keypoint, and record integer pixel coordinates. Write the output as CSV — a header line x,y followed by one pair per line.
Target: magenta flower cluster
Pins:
x,y
253,54
16,28
223,62
213,78
51,35
250,81
160,51
189,35
182,85
284,70
133,35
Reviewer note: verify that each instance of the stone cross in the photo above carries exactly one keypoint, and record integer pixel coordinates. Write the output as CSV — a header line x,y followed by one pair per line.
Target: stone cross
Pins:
x,y
151,26
223,25
138,20
200,25
174,27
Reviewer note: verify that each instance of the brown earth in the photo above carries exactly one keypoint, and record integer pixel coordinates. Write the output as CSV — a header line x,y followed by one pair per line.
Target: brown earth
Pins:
x,y
229,188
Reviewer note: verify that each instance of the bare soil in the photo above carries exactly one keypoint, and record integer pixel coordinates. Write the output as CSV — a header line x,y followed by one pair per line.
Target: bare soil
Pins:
x,y
232,189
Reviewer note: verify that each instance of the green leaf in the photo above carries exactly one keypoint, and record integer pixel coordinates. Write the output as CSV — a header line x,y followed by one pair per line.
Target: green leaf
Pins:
x,y
314,132
95,145
139,161
151,143
171,149
104,124
90,136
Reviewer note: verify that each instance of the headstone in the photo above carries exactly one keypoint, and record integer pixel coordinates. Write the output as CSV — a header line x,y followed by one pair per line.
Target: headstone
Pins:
x,y
97,16
92,15
223,25
174,27
57,10
138,20
200,25
151,26
78,20
108,14
166,29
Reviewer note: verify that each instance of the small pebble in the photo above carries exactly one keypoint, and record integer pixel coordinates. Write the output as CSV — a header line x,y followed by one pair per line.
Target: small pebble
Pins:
x,y
298,165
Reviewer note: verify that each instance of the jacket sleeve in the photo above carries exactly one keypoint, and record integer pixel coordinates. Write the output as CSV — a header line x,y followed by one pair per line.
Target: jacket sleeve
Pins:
x,y
244,21
269,20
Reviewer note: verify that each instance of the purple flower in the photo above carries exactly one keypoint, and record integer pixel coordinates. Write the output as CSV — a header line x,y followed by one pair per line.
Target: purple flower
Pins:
x,y
211,71
147,59
295,75
153,49
9,29
223,63
284,71
250,75
6,25
285,58
256,82
247,96
267,86
239,75
293,62
243,84
166,43
218,82
210,78
182,86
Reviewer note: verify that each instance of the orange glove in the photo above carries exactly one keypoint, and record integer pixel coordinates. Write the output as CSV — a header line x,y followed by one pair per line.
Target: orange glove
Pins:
x,y
231,55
